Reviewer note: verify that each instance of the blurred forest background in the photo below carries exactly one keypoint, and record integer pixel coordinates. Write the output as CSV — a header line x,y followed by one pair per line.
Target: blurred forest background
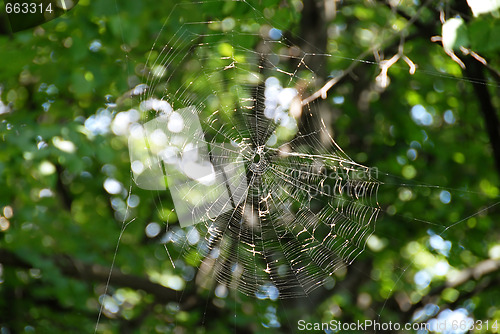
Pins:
x,y
63,83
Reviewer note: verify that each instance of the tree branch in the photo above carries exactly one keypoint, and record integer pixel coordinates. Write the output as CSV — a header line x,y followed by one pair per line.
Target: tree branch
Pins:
x,y
94,272
423,30
474,71
481,270
65,195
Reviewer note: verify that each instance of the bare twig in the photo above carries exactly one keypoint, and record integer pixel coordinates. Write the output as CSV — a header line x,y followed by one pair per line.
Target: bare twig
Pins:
x,y
475,273
384,64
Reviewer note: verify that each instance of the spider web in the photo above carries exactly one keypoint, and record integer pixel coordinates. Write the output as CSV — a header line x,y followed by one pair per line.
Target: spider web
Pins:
x,y
264,200
278,206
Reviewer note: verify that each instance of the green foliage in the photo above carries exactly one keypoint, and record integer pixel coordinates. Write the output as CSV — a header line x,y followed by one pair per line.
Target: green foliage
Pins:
x,y
454,34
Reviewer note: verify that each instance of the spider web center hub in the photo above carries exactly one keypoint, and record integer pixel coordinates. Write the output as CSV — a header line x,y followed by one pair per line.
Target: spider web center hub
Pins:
x,y
259,162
